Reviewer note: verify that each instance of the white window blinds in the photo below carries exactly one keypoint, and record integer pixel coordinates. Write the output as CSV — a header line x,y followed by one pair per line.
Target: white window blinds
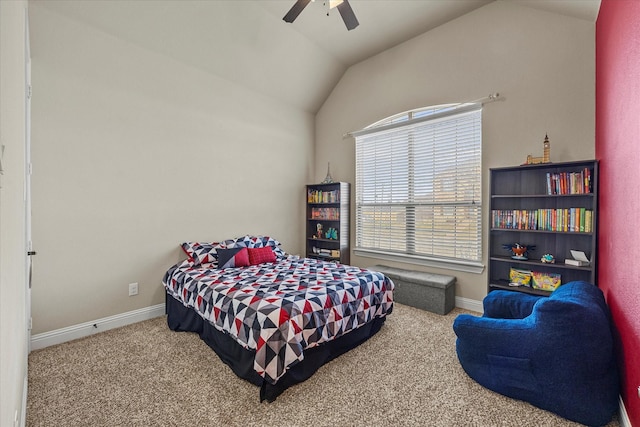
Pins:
x,y
418,185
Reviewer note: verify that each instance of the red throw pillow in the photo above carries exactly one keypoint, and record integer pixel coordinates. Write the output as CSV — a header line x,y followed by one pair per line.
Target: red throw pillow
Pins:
x,y
260,255
233,257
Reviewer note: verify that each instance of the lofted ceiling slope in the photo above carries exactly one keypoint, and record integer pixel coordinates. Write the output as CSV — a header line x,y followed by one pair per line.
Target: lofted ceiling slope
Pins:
x,y
248,43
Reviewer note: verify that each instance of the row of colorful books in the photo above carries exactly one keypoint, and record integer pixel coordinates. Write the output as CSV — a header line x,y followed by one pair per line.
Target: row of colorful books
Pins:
x,y
319,196
325,213
578,220
569,182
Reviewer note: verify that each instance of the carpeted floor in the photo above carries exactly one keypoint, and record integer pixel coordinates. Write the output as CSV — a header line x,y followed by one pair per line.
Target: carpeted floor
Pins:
x,y
146,375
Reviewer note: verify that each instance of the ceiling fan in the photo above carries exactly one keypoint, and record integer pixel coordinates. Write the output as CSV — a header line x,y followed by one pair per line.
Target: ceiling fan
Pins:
x,y
343,6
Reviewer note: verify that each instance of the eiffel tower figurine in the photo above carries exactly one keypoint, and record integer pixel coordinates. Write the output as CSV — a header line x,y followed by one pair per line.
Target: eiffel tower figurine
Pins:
x,y
328,179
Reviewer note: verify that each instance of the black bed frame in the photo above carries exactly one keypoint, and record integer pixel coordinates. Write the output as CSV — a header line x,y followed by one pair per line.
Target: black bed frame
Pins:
x,y
240,359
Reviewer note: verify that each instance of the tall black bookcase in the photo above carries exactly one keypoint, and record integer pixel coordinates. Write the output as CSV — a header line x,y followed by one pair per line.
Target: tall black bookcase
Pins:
x,y
327,222
553,206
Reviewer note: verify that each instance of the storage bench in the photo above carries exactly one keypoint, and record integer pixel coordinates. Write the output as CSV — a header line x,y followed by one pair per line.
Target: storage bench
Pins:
x,y
427,291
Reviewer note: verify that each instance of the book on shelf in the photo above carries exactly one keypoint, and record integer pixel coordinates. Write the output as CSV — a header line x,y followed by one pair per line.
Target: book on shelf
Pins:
x,y
574,220
325,213
319,196
562,183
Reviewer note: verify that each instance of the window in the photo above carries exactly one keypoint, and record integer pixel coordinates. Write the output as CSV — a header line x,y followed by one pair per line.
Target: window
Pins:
x,y
418,194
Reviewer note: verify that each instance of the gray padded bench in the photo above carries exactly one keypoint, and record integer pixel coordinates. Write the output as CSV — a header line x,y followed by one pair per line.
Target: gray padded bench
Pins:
x,y
427,291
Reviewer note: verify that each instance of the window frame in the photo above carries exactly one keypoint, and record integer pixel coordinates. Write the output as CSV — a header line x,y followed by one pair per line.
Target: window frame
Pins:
x,y
406,120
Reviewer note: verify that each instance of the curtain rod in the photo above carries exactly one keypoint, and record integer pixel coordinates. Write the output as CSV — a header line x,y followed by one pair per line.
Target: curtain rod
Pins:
x,y
459,106
489,98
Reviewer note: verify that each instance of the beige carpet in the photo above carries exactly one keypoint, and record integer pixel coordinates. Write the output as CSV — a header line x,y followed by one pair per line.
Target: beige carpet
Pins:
x,y
147,375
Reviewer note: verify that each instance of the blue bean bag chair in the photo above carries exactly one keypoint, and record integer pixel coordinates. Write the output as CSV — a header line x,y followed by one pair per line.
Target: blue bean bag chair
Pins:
x,y
554,352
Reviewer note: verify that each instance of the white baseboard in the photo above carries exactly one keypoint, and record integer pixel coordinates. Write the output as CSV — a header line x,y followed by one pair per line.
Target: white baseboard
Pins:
x,y
74,332
23,414
622,414
469,304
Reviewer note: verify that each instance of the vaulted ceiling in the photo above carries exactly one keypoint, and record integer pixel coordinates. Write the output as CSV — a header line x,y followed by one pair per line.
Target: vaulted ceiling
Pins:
x,y
248,43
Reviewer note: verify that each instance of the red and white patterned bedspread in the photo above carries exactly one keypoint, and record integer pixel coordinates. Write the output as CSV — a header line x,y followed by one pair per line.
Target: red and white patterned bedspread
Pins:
x,y
280,309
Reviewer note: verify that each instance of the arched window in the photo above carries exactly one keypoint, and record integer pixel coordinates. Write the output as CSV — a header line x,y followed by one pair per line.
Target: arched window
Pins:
x,y
418,187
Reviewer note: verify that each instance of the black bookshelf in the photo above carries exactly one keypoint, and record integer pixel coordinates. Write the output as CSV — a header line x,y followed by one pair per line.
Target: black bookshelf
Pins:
x,y
526,189
328,209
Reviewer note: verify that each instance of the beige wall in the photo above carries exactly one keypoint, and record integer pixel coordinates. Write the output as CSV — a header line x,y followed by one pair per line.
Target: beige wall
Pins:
x,y
13,307
542,63
135,153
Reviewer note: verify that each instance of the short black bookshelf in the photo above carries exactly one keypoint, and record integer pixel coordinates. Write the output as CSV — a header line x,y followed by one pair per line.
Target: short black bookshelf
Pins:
x,y
552,206
327,222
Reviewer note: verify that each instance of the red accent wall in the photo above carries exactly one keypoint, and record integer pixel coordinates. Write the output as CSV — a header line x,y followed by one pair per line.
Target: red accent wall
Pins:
x,y
618,150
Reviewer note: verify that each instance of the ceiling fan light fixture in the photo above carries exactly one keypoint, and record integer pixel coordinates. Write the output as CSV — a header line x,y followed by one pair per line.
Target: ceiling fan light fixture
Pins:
x,y
343,6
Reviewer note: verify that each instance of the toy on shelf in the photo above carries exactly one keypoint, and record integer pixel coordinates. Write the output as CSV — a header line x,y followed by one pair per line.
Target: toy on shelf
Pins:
x,y
518,251
331,234
546,154
548,259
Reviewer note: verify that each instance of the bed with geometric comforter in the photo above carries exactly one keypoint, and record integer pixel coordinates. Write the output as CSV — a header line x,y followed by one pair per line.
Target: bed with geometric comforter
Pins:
x,y
274,323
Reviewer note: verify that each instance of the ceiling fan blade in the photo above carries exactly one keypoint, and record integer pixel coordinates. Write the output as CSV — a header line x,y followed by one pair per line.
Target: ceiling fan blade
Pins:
x,y
295,10
348,16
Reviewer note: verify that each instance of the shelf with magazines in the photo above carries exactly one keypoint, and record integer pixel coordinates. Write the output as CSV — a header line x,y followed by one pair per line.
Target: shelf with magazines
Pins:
x,y
541,216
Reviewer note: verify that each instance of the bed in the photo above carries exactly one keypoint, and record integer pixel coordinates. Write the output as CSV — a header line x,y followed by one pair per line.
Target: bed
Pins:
x,y
273,318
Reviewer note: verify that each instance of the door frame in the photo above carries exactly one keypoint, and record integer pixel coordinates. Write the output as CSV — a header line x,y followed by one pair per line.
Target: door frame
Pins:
x,y
28,169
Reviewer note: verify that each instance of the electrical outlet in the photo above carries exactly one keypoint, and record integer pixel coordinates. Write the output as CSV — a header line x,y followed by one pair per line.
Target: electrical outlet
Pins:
x,y
133,289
